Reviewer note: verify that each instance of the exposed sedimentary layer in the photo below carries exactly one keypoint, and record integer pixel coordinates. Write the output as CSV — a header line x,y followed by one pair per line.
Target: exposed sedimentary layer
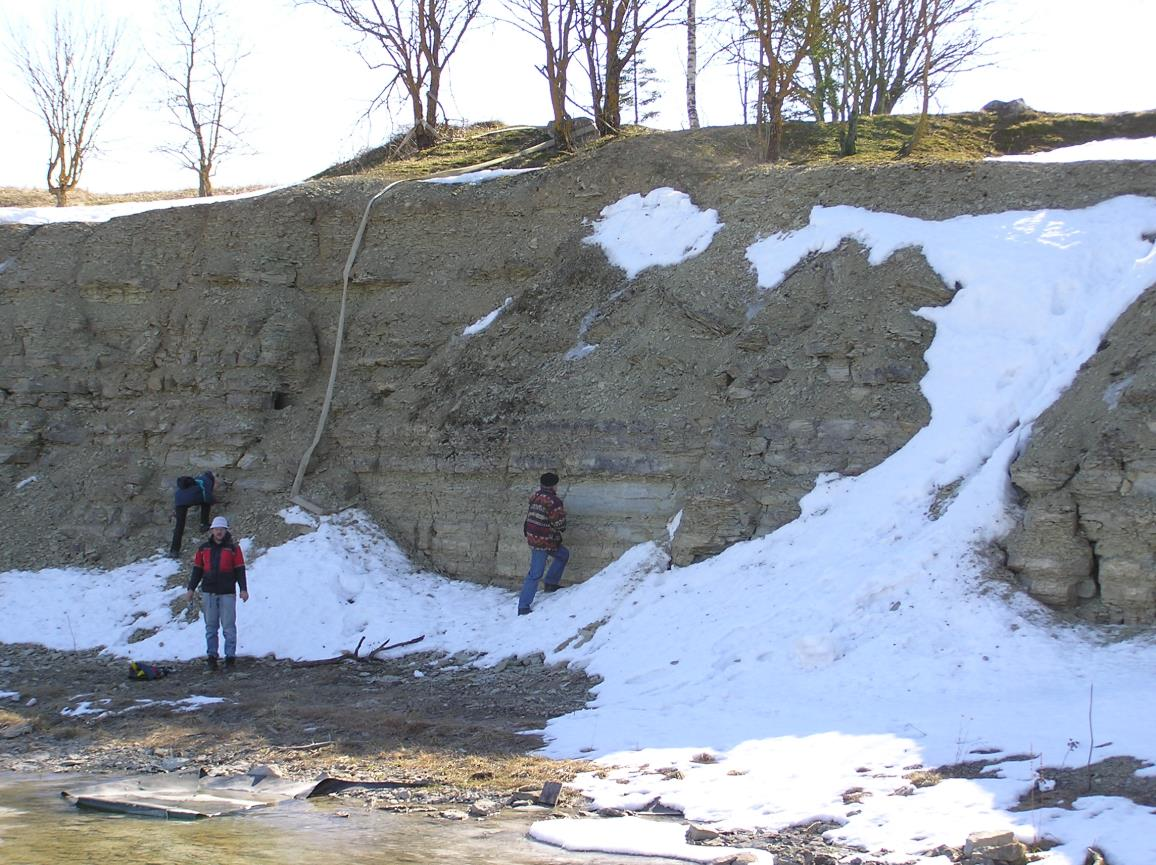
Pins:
x,y
199,337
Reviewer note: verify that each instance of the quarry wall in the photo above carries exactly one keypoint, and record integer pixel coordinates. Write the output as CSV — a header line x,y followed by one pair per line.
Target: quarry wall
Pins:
x,y
158,344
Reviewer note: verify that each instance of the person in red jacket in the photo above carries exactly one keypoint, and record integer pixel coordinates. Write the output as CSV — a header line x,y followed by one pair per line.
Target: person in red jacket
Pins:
x,y
545,522
219,569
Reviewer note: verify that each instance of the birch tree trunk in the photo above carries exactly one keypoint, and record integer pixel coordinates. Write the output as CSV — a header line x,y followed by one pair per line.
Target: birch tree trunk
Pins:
x,y
692,63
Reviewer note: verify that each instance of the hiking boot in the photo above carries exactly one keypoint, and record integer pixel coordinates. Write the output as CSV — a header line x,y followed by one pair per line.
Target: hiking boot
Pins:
x,y
549,588
174,554
204,527
230,663
211,663
523,611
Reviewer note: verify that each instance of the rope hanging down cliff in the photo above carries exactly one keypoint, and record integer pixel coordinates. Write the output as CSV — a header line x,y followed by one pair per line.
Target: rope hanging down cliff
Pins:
x,y
295,491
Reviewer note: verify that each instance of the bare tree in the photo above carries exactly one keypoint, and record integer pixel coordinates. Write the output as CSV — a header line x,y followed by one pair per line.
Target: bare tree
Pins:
x,y
198,89
692,63
840,78
877,52
820,93
610,33
551,22
786,32
73,80
919,40
929,11
418,38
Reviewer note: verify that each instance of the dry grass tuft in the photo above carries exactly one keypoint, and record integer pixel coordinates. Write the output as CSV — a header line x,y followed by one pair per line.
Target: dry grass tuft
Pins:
x,y
924,778
483,772
10,719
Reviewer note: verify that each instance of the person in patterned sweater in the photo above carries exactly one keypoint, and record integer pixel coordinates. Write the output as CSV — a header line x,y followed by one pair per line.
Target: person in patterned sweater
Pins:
x,y
545,522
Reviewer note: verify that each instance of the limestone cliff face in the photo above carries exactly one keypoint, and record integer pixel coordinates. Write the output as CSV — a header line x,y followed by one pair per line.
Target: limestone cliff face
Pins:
x,y
149,346
1088,477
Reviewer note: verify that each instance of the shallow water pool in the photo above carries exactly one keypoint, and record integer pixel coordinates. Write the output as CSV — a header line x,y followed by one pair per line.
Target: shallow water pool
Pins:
x,y
39,827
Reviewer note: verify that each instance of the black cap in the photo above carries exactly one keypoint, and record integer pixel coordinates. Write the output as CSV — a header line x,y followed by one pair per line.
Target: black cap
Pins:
x,y
548,480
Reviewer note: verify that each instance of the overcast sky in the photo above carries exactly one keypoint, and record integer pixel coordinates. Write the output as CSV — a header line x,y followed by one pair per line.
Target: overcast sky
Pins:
x,y
304,91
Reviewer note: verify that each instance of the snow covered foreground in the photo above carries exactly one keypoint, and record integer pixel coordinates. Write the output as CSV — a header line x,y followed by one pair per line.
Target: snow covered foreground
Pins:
x,y
846,648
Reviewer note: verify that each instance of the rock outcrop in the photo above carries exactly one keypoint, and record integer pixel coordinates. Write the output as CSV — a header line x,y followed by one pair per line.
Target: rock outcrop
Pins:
x,y
1088,475
200,337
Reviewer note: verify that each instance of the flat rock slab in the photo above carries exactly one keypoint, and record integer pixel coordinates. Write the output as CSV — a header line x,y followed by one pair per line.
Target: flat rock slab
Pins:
x,y
193,797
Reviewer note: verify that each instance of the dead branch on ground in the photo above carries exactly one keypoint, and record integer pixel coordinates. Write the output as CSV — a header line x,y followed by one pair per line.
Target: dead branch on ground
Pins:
x,y
356,656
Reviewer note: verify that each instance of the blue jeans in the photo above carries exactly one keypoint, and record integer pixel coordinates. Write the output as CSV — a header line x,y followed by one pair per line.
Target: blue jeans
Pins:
x,y
220,612
537,566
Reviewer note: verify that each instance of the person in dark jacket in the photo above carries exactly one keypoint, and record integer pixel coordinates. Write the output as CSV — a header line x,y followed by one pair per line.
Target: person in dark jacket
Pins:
x,y
545,522
219,569
191,491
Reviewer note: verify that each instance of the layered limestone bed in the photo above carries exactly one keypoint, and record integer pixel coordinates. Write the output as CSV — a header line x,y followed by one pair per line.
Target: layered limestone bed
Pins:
x,y
159,344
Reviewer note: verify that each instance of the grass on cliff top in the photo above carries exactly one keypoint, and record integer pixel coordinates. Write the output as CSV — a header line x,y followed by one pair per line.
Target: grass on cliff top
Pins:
x,y
459,148
958,137
949,138
881,139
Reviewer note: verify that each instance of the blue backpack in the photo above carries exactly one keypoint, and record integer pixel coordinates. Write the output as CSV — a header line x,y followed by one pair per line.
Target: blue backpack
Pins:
x,y
206,481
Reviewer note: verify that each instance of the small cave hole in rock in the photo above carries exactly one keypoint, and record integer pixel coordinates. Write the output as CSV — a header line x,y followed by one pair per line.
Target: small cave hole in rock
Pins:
x,y
281,400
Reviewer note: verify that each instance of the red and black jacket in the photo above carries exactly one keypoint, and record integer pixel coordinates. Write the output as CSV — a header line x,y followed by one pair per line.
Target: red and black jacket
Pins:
x,y
218,568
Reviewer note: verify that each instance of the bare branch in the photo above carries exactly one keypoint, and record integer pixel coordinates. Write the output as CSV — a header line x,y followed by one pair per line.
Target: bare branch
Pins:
x,y
354,656
418,38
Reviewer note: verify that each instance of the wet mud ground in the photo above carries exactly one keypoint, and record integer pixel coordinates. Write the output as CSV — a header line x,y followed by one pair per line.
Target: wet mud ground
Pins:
x,y
450,734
